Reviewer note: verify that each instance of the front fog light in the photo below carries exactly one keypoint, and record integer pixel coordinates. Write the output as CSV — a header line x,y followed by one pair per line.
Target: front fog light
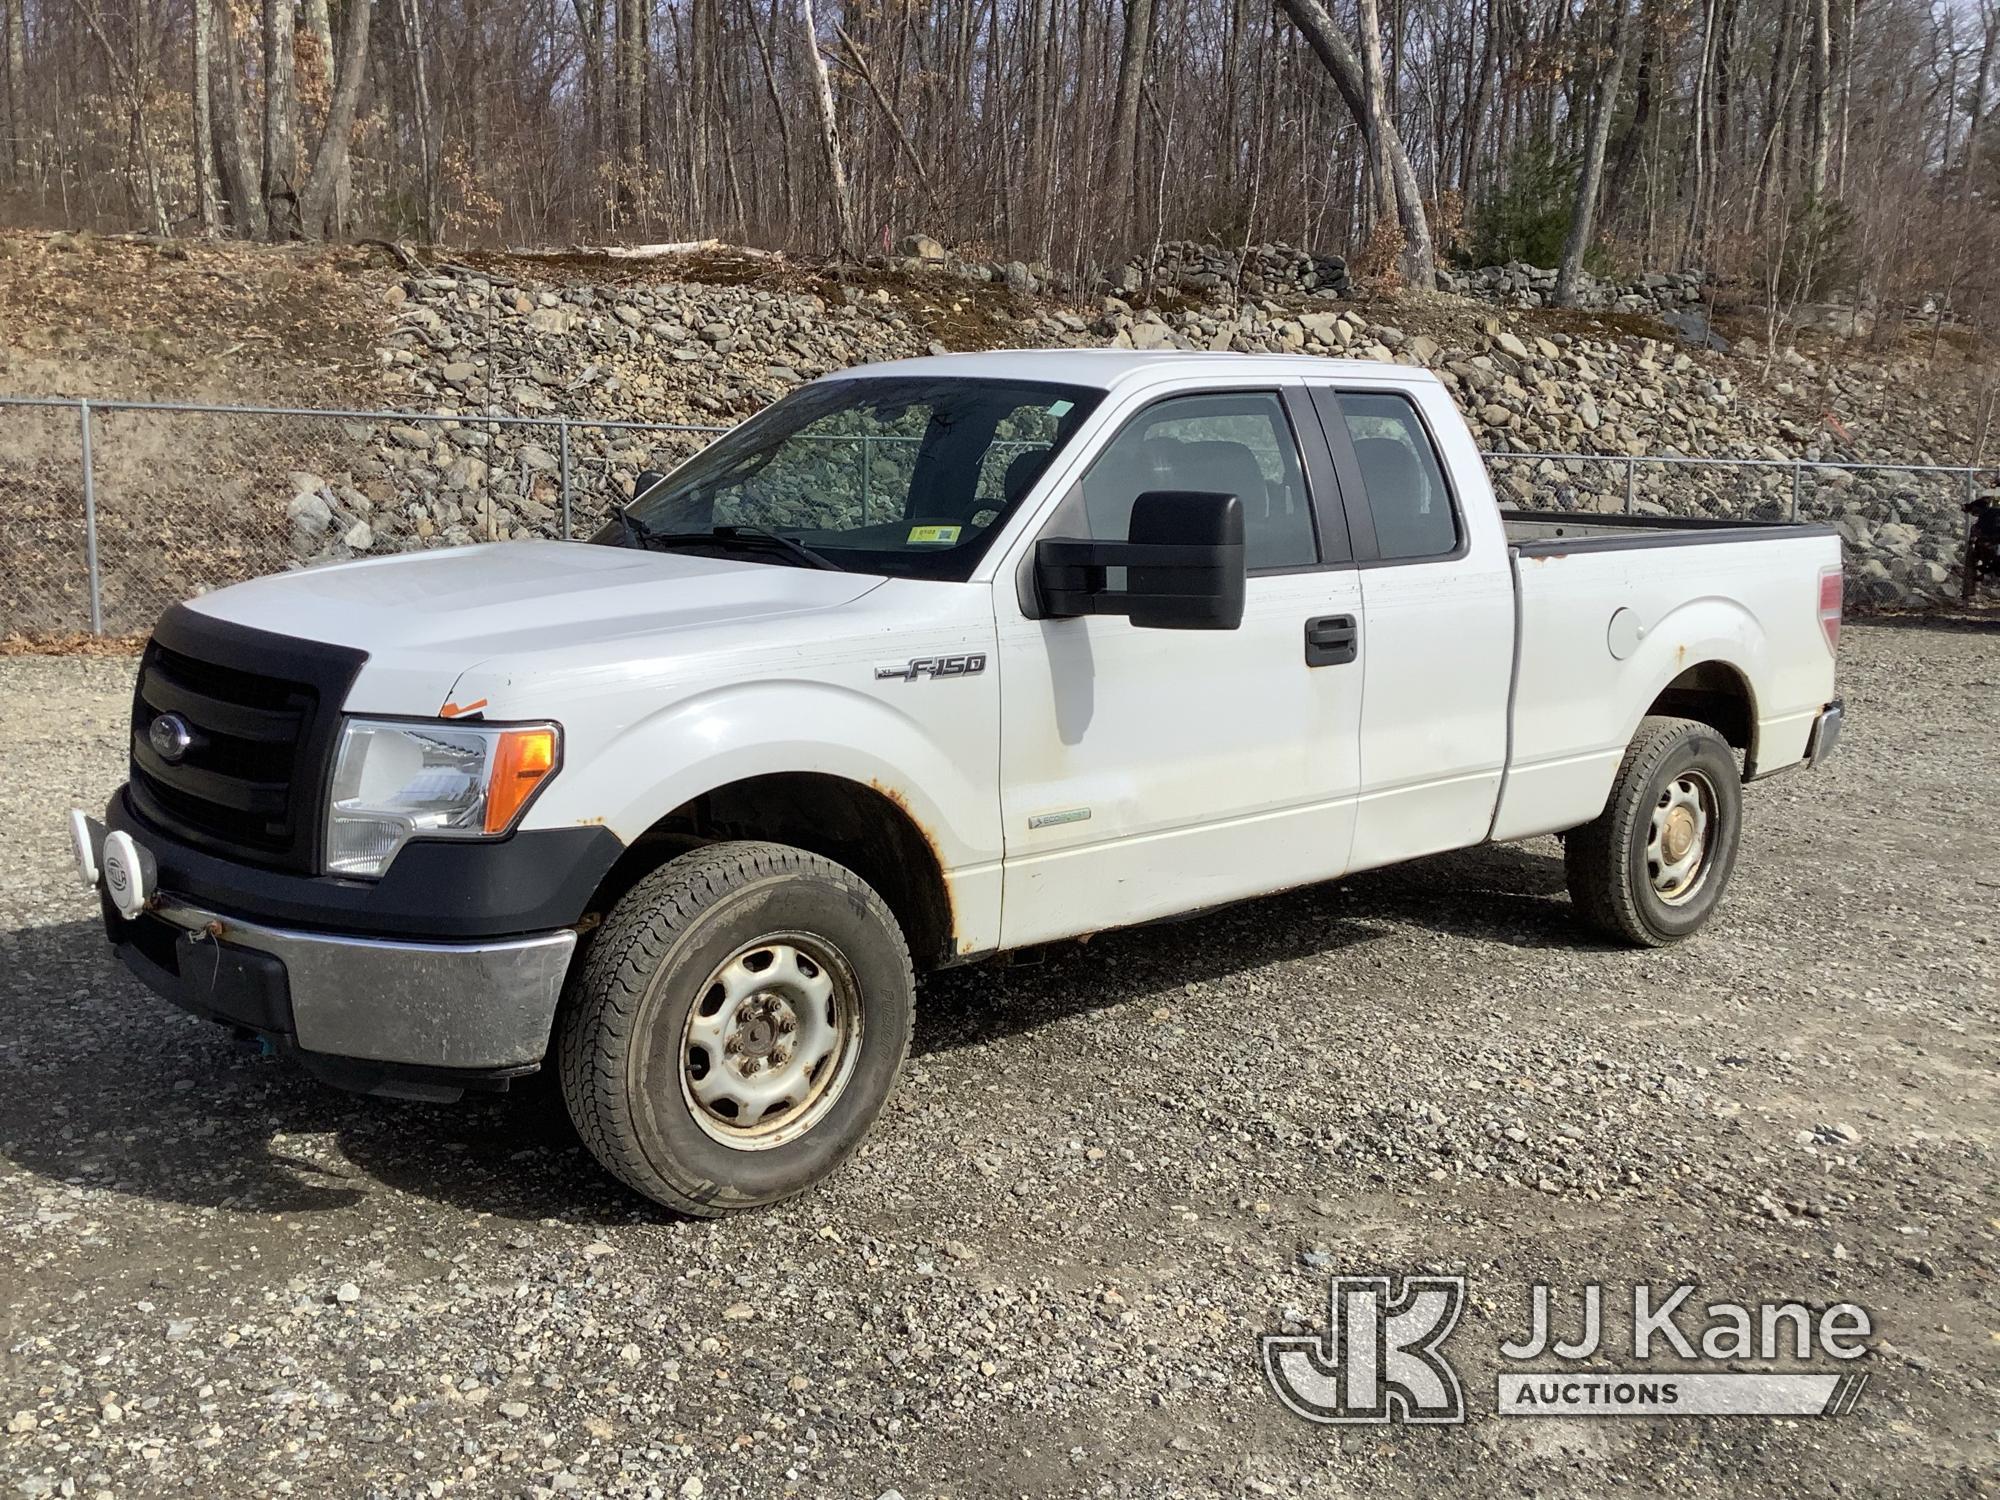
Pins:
x,y
396,781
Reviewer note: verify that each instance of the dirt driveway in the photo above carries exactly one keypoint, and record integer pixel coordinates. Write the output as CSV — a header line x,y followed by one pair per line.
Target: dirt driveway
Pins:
x,y
1103,1178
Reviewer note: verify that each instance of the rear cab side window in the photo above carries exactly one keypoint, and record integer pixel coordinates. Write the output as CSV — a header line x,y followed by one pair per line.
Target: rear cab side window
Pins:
x,y
1407,495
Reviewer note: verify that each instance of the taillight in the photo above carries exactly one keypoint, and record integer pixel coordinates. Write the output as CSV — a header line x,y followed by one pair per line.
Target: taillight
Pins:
x,y
1832,586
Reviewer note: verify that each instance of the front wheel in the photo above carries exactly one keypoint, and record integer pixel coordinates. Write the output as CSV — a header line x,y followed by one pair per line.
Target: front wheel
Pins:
x,y
736,1027
1652,866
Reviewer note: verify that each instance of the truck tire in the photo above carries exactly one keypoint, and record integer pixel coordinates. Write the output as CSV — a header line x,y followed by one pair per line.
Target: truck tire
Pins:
x,y
736,1026
1653,865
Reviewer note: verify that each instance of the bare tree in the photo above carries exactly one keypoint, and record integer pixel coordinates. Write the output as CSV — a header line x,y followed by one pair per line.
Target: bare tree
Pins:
x,y
1819,100
281,123
631,78
1121,182
1337,55
1375,95
1583,216
316,203
17,89
227,113
208,212
829,130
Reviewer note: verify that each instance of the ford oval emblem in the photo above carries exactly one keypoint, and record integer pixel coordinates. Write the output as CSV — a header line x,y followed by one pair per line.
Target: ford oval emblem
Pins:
x,y
170,737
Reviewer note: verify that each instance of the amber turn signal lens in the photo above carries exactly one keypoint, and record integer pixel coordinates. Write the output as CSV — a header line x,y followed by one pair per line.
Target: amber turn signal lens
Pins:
x,y
523,759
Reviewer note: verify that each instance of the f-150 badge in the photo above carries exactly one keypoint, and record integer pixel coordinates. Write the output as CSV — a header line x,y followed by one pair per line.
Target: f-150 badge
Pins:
x,y
933,666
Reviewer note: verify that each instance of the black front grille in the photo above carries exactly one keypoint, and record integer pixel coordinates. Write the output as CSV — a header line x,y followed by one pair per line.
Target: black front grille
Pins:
x,y
261,712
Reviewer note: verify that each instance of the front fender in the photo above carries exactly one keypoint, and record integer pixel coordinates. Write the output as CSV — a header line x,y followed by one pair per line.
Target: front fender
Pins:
x,y
944,774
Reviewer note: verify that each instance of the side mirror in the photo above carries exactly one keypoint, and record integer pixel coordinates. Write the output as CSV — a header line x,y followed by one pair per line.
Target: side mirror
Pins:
x,y
645,480
1184,567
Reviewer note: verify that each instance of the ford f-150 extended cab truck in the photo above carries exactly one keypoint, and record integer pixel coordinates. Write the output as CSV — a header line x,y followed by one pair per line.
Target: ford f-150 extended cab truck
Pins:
x,y
928,661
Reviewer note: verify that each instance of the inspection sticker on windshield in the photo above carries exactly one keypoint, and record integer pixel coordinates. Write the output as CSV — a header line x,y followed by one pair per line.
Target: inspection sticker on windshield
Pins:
x,y
1060,408
944,534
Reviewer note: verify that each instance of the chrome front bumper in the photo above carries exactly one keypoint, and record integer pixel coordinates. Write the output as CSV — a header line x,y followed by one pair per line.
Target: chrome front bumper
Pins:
x,y
479,1006
435,1005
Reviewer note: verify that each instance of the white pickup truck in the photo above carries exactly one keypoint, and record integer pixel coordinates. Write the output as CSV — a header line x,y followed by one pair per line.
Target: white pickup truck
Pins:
x,y
928,661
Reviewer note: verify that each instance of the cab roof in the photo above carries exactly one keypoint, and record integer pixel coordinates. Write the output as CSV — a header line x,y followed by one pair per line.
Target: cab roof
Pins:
x,y
1109,369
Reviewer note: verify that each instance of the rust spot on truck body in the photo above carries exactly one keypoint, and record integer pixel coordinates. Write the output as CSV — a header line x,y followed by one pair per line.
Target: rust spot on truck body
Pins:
x,y
900,800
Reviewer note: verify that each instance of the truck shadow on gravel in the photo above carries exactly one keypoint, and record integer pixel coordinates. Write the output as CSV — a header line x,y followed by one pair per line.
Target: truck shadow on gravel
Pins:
x,y
109,1087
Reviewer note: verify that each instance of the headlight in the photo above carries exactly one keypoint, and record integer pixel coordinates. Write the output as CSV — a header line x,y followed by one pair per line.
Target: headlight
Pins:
x,y
396,781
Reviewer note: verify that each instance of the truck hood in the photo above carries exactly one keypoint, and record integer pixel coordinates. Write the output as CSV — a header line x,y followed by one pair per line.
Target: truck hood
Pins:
x,y
424,618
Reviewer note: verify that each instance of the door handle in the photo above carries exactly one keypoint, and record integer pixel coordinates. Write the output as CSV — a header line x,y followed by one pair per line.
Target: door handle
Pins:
x,y
1332,641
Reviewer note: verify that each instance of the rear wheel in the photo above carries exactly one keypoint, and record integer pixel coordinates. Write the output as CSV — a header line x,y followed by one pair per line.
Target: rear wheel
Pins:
x,y
736,1027
1653,865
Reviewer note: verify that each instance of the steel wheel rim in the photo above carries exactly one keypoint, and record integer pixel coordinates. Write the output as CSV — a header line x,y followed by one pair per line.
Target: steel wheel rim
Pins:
x,y
770,1041
1685,820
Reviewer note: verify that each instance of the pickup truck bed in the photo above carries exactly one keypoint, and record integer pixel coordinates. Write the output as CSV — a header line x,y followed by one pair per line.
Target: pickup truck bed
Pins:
x,y
1732,602
1536,529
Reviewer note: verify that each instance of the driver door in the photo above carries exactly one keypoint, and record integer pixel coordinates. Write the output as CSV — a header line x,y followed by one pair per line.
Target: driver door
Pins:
x,y
1147,772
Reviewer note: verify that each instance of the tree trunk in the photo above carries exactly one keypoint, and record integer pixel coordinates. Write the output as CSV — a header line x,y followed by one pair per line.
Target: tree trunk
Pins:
x,y
1627,154
1380,171
281,124
829,131
1976,116
1583,216
778,110
319,21
631,79
316,204
1121,183
1777,110
17,90
1819,103
207,211
426,131
1338,57
232,151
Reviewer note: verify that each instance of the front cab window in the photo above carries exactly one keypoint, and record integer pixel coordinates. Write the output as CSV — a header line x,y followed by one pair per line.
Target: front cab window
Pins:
x,y
894,475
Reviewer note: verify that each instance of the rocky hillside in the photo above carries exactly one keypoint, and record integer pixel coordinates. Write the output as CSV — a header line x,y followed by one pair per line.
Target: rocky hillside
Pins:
x,y
188,502
486,338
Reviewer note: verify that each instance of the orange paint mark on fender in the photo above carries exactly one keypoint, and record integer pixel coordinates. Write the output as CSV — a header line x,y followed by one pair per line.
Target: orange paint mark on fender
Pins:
x,y
454,710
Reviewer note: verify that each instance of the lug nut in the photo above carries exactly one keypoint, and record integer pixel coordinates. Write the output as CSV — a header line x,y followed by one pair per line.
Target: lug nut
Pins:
x,y
751,1065
787,1025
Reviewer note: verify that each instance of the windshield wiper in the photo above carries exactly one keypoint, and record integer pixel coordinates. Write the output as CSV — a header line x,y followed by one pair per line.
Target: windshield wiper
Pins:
x,y
789,544
755,538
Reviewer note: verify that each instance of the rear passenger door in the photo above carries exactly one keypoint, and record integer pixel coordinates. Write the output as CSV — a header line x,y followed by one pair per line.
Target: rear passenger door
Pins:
x,y
1147,772
1437,658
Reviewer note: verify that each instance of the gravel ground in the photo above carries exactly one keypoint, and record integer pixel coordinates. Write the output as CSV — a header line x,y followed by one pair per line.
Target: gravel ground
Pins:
x,y
1103,1178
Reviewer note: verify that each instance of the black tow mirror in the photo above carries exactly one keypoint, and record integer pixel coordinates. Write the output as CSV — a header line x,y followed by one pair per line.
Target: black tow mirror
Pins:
x,y
646,481
1184,567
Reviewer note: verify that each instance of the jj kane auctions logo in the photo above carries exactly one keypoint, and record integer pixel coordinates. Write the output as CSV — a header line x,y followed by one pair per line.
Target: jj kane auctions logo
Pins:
x,y
1381,1357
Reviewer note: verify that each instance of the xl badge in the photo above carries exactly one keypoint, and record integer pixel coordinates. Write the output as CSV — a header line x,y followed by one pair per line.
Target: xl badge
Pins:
x,y
170,737
933,666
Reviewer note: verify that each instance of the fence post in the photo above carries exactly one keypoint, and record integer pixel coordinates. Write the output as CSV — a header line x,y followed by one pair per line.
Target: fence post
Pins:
x,y
1631,481
1797,469
562,436
90,522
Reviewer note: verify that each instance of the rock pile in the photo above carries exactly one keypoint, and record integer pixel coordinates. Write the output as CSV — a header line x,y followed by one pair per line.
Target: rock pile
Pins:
x,y
1518,284
471,347
1255,271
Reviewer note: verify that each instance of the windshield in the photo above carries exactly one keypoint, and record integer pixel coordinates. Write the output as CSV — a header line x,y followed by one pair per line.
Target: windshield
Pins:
x,y
903,476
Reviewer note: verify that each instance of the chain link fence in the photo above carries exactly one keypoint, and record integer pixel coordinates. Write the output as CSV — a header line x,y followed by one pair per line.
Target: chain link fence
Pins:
x,y
112,511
